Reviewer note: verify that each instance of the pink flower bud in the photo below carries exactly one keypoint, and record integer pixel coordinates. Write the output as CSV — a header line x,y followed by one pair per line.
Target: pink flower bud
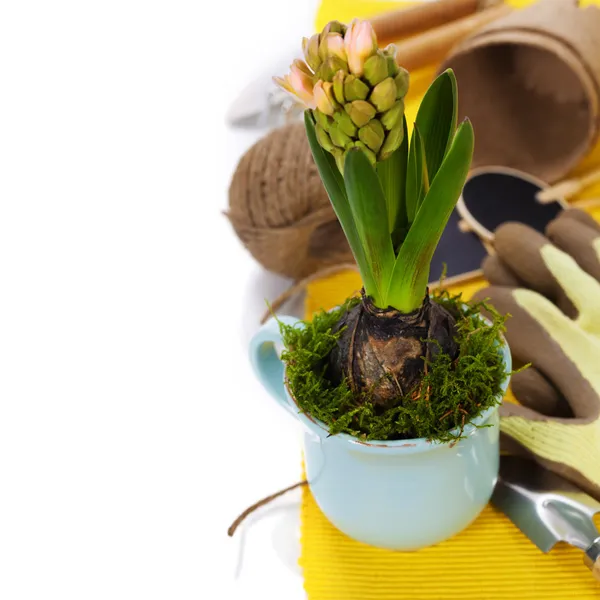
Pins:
x,y
323,95
360,42
301,66
298,83
332,45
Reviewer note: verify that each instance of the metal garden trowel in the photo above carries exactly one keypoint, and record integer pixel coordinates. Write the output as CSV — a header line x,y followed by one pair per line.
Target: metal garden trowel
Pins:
x,y
547,508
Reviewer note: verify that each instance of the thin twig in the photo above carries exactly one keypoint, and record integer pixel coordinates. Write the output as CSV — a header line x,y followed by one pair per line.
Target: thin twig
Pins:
x,y
260,503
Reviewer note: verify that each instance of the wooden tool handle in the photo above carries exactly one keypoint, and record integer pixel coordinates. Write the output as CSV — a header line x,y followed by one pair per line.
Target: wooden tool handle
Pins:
x,y
395,25
568,188
590,178
586,203
432,46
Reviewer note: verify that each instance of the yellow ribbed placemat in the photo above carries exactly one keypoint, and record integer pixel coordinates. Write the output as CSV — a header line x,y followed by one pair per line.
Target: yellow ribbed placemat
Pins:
x,y
491,560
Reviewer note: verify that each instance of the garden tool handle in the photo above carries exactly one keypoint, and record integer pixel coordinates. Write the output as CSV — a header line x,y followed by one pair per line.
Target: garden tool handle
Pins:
x,y
591,559
568,188
392,26
433,45
589,178
265,348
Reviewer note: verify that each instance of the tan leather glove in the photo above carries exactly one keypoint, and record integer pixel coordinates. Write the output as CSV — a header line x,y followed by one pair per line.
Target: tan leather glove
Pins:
x,y
551,287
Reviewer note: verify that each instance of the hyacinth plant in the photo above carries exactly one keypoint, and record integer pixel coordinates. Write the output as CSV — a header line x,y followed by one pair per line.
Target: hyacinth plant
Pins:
x,y
354,90
393,197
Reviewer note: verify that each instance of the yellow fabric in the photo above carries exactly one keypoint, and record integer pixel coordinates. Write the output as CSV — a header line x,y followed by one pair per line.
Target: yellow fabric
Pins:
x,y
491,560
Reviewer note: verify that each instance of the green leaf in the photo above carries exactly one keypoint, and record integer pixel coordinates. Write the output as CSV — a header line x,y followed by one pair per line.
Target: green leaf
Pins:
x,y
436,119
417,180
392,175
336,190
410,277
367,201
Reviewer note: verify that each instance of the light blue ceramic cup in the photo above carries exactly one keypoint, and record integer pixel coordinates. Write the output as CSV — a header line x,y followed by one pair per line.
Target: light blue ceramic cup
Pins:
x,y
401,495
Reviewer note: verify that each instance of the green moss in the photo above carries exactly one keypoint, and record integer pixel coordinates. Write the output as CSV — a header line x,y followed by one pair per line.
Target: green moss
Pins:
x,y
450,394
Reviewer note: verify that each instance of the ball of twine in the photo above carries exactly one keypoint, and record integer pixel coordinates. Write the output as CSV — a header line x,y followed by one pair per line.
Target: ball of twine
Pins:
x,y
280,210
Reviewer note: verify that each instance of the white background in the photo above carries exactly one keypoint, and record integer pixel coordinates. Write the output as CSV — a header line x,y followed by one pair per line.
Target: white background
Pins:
x,y
132,430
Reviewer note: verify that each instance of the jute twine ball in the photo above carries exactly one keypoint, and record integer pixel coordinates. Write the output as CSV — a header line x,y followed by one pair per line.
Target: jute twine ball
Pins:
x,y
279,208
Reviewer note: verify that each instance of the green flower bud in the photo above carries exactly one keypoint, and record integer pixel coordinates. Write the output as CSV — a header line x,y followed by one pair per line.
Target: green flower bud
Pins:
x,y
330,67
370,154
344,122
390,54
372,135
391,117
392,141
339,138
402,82
355,89
392,66
340,157
334,27
311,52
390,50
376,69
322,119
360,111
383,95
338,86
323,139
323,47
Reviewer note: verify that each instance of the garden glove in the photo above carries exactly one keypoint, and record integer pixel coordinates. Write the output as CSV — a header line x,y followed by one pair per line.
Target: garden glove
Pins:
x,y
550,285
